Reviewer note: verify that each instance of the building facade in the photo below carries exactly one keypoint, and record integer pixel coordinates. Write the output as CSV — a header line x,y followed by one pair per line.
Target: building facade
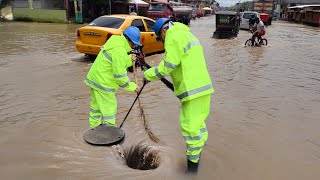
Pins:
x,y
283,5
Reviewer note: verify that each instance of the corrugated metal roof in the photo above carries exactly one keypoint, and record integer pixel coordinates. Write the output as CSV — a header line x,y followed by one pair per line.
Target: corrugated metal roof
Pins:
x,y
304,6
227,12
303,1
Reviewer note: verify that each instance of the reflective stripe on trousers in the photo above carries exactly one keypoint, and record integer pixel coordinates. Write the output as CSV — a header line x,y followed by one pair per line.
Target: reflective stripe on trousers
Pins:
x,y
95,114
94,111
103,117
108,117
193,148
189,138
193,157
195,91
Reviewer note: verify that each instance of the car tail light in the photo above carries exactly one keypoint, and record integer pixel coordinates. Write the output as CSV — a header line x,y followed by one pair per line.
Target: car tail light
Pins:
x,y
78,34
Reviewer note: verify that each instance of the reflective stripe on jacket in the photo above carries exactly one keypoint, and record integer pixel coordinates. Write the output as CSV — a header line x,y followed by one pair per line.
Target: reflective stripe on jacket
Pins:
x,y
184,61
109,70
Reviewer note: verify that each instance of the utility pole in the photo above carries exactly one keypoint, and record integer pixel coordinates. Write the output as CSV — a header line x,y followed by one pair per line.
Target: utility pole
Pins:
x,y
30,4
110,7
78,11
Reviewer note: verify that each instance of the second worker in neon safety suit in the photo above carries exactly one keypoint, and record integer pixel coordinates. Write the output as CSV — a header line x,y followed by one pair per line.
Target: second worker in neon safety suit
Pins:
x,y
108,72
185,62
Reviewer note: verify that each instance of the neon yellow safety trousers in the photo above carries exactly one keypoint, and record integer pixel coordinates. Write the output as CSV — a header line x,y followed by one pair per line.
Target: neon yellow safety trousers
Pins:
x,y
103,107
193,116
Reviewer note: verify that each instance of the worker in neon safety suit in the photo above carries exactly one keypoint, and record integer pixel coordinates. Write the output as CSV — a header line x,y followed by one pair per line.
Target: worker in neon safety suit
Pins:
x,y
185,62
108,72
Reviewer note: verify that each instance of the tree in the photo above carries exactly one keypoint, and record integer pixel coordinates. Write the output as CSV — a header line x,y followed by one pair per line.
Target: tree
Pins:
x,y
245,5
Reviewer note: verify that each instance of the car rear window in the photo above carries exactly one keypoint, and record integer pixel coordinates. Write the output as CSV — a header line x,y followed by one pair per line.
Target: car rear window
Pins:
x,y
109,22
247,15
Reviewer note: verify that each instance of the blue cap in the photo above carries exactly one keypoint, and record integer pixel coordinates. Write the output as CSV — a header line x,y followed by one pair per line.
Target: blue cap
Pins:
x,y
158,25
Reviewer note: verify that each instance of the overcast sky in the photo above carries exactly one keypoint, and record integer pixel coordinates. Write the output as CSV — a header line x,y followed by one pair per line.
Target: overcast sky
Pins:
x,y
228,2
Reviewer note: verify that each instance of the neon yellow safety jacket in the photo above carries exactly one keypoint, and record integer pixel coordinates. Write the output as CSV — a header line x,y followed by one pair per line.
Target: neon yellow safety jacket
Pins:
x,y
109,70
184,61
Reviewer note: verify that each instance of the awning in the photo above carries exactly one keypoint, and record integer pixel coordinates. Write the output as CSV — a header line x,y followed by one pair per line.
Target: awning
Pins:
x,y
138,3
303,6
207,9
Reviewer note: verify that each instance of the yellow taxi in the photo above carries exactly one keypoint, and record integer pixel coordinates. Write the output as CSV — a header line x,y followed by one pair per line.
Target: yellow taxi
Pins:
x,y
93,36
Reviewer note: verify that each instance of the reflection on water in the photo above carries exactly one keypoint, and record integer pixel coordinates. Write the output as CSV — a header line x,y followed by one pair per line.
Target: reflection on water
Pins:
x,y
263,122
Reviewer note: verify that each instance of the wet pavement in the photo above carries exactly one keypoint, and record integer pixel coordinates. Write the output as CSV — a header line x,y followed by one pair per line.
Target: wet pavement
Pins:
x,y
264,119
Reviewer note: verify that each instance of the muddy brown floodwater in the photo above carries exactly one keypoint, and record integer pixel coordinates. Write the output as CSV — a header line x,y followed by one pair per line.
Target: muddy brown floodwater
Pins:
x,y
264,121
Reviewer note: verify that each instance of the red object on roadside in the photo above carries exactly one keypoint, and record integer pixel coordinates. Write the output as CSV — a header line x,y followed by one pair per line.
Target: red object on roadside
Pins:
x,y
200,13
264,18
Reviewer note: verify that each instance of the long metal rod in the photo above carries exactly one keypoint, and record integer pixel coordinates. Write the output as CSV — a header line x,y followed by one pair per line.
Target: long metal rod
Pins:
x,y
139,103
135,77
133,104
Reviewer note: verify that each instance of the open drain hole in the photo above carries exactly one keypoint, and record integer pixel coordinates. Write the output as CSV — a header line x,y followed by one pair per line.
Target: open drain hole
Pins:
x,y
142,157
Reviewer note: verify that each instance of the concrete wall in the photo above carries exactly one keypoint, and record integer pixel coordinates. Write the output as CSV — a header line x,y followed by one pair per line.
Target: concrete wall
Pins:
x,y
40,15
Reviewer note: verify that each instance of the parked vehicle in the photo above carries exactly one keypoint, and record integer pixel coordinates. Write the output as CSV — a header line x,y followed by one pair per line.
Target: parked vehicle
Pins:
x,y
200,13
245,19
93,36
179,12
227,24
264,18
275,16
194,14
265,6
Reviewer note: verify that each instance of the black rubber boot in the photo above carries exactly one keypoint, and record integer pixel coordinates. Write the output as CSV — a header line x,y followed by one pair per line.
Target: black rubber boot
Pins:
x,y
192,167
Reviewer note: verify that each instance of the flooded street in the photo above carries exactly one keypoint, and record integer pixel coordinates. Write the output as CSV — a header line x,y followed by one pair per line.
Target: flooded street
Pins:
x,y
264,120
